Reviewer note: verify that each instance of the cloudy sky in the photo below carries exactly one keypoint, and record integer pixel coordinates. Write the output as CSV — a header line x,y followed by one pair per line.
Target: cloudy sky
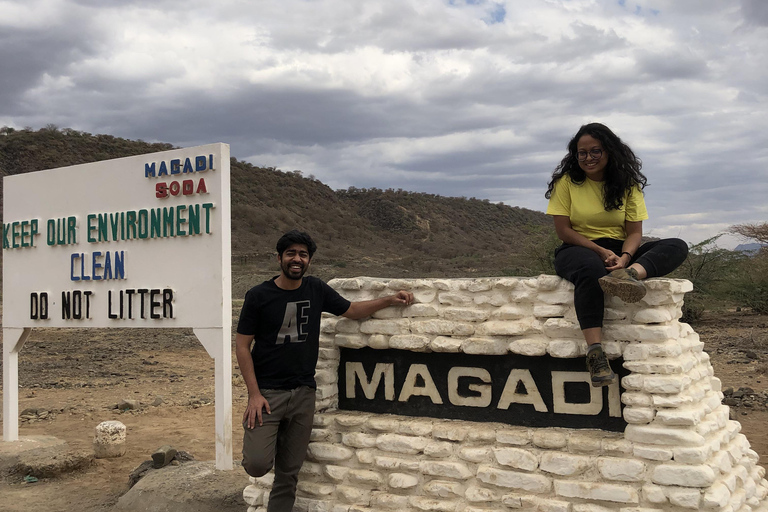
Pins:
x,y
467,98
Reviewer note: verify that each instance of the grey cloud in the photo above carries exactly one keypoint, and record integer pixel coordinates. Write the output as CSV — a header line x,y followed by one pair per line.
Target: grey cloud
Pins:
x,y
755,12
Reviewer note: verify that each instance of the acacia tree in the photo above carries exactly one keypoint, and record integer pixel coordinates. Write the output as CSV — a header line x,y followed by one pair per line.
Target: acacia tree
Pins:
x,y
757,232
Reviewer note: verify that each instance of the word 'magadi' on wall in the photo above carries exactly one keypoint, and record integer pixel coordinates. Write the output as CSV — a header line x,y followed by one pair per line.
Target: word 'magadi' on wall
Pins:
x,y
65,248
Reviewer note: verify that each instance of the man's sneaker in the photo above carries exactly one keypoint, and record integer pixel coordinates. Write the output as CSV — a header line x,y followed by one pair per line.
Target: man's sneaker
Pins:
x,y
598,366
624,284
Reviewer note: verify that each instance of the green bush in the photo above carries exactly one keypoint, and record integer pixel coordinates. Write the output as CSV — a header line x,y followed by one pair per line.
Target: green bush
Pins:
x,y
749,285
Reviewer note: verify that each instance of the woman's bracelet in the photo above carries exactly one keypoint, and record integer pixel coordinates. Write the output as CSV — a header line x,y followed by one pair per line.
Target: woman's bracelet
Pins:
x,y
625,252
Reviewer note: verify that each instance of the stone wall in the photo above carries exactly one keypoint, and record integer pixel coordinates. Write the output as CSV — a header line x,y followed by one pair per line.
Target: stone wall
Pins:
x,y
680,451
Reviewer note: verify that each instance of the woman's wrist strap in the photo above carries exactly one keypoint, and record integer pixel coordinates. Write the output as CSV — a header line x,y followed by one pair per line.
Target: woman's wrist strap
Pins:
x,y
625,252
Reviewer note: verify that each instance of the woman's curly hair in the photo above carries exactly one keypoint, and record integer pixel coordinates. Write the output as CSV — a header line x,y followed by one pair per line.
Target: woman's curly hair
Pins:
x,y
622,172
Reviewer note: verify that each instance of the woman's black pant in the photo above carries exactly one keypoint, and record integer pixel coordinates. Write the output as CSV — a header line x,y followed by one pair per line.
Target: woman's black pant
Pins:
x,y
583,267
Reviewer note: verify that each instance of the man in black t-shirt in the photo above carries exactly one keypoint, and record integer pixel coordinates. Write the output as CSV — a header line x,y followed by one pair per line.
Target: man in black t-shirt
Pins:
x,y
281,319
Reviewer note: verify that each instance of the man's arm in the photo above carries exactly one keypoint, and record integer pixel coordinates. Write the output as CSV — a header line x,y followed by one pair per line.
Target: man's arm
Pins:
x,y
256,401
364,308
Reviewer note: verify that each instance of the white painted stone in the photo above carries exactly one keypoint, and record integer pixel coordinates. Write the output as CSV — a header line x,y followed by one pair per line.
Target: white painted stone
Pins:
x,y
378,341
656,315
556,297
320,434
450,431
668,436
446,344
548,283
351,340
477,494
358,440
636,352
481,434
329,452
485,346
439,449
692,454
596,491
494,298
585,442
455,299
516,458
315,489
623,470
335,473
653,452
455,470
328,324
641,333
504,327
549,505
564,464
562,328
636,399
109,440
383,423
514,479
466,314
419,310
614,314
387,326
443,489
396,463
439,327
686,498
352,494
549,439
475,453
654,494
388,313
681,417
396,443
566,348
423,503
514,311
665,384
549,310
388,501
410,342
365,477
616,446
351,419
347,326
253,496
402,481
325,377
424,296
639,415
517,437
683,475
529,346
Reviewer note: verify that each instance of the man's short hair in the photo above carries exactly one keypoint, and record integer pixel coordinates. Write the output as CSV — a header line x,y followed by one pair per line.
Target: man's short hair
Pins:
x,y
296,237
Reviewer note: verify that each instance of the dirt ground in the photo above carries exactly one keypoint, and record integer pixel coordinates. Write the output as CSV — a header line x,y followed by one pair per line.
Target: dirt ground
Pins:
x,y
73,379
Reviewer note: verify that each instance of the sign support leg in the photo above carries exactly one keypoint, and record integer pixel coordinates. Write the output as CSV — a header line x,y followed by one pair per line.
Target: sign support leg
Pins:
x,y
13,340
218,345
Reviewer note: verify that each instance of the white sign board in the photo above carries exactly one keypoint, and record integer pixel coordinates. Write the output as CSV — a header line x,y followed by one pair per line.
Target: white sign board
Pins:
x,y
143,241
132,242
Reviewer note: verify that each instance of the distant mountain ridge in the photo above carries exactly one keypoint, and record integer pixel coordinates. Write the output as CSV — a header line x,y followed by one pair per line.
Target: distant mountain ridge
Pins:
x,y
752,248
359,231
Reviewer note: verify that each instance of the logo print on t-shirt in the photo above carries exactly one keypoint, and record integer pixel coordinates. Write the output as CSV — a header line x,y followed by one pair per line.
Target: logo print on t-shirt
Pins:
x,y
295,320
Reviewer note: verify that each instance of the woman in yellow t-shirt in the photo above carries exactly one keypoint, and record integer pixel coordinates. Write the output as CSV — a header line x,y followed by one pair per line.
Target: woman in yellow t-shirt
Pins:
x,y
596,200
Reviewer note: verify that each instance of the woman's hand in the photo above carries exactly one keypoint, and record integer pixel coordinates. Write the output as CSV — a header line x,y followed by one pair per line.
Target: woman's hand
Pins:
x,y
617,262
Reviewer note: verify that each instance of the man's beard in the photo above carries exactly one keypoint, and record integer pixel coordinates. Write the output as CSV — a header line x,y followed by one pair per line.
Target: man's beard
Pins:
x,y
291,274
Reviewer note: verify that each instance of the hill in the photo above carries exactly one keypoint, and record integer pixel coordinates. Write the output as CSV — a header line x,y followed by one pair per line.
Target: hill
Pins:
x,y
359,231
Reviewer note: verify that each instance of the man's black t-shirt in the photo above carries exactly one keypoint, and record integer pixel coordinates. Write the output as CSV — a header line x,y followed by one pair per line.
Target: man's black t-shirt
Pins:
x,y
286,329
